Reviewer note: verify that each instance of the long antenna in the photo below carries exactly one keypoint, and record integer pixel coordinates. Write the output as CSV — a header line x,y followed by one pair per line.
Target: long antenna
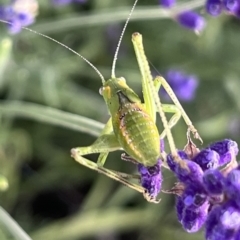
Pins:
x,y
52,39
120,40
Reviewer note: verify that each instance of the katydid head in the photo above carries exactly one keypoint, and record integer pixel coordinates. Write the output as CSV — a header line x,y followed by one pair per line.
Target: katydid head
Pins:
x,y
116,93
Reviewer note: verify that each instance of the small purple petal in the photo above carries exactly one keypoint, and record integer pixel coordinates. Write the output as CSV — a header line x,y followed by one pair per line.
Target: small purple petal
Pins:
x,y
213,181
227,149
231,5
232,186
167,3
194,197
182,84
192,174
194,219
222,222
179,208
230,217
172,163
212,221
214,7
207,159
237,235
25,19
15,27
191,20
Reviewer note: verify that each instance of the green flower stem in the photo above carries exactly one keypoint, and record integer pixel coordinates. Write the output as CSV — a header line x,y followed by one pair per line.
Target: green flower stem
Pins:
x,y
118,15
12,226
51,116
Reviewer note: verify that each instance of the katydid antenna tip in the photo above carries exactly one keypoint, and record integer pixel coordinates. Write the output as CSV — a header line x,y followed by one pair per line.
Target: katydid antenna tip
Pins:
x,y
120,40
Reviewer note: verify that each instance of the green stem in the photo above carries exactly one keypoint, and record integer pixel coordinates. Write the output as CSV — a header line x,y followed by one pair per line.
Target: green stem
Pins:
x,y
51,116
114,16
12,226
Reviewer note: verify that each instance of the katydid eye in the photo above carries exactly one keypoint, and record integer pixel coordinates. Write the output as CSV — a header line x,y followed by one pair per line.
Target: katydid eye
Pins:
x,y
101,90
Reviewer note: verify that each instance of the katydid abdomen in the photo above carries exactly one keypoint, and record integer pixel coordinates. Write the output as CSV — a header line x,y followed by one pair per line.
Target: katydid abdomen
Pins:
x,y
136,132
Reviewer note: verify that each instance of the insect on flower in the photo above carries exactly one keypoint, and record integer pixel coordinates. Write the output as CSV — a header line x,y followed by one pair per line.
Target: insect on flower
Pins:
x,y
132,124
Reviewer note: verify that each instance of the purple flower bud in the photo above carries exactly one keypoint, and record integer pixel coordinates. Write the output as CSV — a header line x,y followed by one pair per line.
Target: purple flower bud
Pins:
x,y
232,186
214,7
188,174
194,219
192,174
167,3
212,222
151,178
213,181
194,197
227,149
207,159
230,217
179,208
25,19
172,163
191,20
237,235
223,222
231,5
182,84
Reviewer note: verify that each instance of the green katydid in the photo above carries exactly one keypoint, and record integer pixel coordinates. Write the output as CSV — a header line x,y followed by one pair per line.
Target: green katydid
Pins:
x,y
131,126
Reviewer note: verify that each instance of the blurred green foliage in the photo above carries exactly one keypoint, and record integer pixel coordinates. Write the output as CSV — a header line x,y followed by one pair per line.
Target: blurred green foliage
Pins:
x,y
50,195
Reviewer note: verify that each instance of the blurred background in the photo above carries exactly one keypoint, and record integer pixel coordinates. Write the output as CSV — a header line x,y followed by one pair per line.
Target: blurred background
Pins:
x,y
50,195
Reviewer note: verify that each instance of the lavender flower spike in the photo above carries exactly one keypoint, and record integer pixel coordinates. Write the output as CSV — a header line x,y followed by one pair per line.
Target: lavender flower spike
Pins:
x,y
183,85
191,20
214,7
20,13
151,178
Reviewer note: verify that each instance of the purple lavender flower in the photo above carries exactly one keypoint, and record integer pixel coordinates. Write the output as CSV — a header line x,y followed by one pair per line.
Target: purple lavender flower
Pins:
x,y
194,219
151,178
207,195
232,186
207,158
167,3
213,181
182,84
214,7
231,5
191,20
226,150
223,222
20,13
